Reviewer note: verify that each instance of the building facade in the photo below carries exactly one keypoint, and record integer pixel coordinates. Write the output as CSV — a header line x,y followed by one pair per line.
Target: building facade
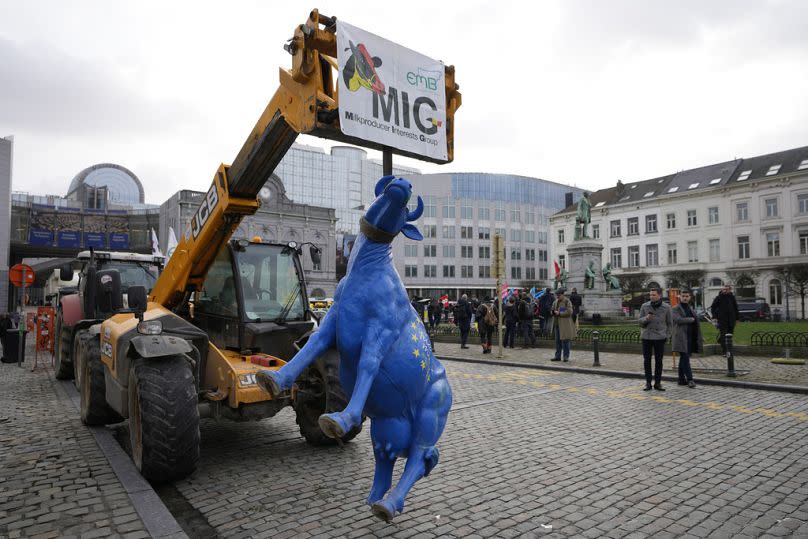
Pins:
x,y
462,213
6,166
737,222
278,220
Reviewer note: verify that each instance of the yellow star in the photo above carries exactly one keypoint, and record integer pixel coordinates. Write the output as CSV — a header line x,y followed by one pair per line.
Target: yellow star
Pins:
x,y
423,364
413,325
416,352
414,338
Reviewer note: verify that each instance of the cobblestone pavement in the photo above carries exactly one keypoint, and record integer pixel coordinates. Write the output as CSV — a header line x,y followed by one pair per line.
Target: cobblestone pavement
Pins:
x,y
749,368
54,479
531,453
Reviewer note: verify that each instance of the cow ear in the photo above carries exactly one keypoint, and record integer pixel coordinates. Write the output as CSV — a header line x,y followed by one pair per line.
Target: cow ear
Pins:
x,y
412,232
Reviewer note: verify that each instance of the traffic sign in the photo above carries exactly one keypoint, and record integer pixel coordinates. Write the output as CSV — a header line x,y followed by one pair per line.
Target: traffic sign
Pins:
x,y
21,275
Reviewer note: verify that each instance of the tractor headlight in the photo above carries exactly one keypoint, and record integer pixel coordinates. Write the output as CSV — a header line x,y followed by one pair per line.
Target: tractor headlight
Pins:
x,y
150,327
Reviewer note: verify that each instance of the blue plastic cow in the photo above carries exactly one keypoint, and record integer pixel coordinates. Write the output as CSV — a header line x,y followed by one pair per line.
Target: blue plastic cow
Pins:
x,y
386,361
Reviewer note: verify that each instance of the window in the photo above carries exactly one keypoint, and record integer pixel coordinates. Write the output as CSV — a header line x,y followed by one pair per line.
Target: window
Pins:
x,y
430,231
448,232
774,169
716,282
542,255
516,235
448,251
543,273
650,224
673,189
773,243
448,271
803,164
430,206
804,242
775,292
466,251
671,254
501,232
691,218
617,258
530,236
466,212
467,272
561,235
530,254
530,218
712,215
743,247
516,272
484,272
692,251
649,194
633,226
542,237
410,251
410,271
693,186
634,256
466,232
484,214
516,216
595,232
771,207
483,233
715,181
671,220
562,261
802,203
651,255
431,271
430,251
601,203
614,229
530,274
742,211
448,209
484,251
715,250
744,175
499,214
516,254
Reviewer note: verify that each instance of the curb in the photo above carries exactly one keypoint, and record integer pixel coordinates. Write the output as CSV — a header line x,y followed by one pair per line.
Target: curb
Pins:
x,y
156,517
782,388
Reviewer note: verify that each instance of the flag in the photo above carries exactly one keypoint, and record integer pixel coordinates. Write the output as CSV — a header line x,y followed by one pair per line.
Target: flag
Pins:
x,y
557,268
539,294
445,300
155,244
172,243
506,292
532,292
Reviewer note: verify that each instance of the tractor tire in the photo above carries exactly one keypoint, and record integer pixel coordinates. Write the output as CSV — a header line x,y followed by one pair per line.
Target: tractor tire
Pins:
x,y
320,392
94,407
163,418
78,357
63,367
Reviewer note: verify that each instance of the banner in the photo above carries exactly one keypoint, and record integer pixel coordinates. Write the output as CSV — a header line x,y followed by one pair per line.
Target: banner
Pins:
x,y
68,223
390,94
43,224
95,231
118,229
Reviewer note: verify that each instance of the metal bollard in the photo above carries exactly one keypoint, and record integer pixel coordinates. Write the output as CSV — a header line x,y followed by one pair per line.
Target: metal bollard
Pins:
x,y
730,356
595,335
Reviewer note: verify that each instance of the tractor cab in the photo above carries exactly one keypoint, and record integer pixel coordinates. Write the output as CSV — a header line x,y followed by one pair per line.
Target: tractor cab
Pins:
x,y
254,299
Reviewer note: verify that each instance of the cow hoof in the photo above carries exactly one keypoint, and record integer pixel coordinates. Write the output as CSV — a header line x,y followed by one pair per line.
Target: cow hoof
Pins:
x,y
331,426
384,510
268,382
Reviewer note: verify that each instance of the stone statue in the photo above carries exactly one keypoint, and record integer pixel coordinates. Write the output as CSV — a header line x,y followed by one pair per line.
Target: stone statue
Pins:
x,y
611,282
386,361
589,279
583,218
561,279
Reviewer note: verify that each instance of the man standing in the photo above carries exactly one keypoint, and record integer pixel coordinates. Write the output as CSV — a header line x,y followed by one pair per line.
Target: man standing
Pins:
x,y
434,311
655,321
545,309
526,321
511,319
687,338
725,310
462,315
562,326
576,301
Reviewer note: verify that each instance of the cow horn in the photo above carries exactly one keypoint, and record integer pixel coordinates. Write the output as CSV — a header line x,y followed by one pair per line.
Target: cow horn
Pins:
x,y
382,183
416,213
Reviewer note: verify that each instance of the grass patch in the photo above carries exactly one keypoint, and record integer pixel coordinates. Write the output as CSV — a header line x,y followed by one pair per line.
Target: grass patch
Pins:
x,y
743,330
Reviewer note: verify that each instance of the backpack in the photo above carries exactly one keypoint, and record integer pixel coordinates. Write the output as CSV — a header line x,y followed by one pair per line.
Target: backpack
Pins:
x,y
490,318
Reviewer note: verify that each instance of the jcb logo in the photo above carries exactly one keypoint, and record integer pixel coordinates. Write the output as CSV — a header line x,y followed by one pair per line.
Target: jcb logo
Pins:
x,y
204,211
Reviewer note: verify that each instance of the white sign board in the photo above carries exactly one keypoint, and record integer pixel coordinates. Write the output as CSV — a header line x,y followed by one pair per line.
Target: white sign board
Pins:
x,y
389,94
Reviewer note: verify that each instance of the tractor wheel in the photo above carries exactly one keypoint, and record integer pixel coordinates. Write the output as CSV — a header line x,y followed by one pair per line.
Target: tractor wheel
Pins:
x,y
163,418
78,357
320,392
62,364
94,407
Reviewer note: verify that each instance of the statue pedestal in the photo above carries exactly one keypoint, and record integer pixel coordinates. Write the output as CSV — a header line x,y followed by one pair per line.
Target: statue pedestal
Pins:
x,y
600,299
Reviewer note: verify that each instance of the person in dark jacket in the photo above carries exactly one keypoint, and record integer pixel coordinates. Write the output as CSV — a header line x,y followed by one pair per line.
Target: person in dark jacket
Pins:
x,y
462,316
434,311
687,337
484,325
525,312
418,307
576,301
511,319
5,325
545,308
725,311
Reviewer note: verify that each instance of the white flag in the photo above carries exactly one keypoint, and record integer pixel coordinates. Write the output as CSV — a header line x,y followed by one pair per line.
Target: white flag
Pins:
x,y
155,244
172,243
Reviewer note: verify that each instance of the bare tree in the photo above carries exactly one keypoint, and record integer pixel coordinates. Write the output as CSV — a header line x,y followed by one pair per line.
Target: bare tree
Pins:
x,y
795,277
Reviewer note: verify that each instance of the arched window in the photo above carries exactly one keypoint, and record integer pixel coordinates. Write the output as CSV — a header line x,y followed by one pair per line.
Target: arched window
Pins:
x,y
715,281
775,292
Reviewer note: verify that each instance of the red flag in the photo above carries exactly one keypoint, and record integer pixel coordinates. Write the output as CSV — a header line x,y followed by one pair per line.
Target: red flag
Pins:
x,y
444,299
557,268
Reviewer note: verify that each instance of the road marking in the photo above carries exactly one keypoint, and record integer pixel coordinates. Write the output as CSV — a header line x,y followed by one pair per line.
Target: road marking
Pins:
x,y
527,378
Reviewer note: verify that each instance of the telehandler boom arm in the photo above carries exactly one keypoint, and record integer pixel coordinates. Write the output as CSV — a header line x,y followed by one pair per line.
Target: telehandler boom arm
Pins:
x,y
306,102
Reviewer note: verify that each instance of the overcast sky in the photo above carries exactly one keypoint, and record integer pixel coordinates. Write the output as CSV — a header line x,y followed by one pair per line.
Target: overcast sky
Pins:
x,y
580,92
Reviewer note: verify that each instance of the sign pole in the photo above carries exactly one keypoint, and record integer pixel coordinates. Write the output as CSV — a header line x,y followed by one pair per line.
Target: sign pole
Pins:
x,y
22,321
